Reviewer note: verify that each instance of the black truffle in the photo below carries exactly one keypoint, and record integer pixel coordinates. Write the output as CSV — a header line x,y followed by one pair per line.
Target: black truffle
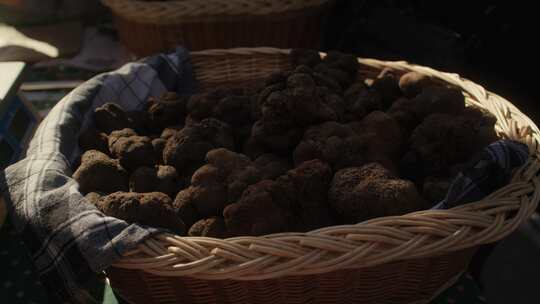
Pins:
x,y
211,227
361,193
190,145
92,139
99,173
151,209
155,179
110,117
131,150
167,110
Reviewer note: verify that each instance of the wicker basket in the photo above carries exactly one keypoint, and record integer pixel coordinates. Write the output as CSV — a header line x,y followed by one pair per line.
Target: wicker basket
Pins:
x,y
398,259
150,27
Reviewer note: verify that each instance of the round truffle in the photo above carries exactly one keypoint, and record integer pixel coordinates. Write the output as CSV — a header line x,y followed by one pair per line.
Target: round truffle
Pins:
x,y
133,151
190,145
92,139
362,193
99,173
110,117
166,110
213,227
155,179
152,209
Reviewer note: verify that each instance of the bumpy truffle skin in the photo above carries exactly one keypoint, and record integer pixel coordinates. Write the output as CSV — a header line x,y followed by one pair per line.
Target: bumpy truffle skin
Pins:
x,y
444,140
92,139
159,145
388,87
211,227
296,201
157,179
412,83
286,108
438,99
407,113
190,145
304,192
151,209
305,57
361,193
232,106
435,189
131,150
221,181
183,205
256,213
169,109
117,134
385,134
253,148
140,121
271,166
433,99
110,117
99,173
262,141
361,100
170,131
332,142
205,194
339,67
343,145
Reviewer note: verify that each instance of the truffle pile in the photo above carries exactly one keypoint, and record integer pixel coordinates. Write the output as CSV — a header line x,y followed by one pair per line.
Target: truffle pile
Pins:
x,y
313,146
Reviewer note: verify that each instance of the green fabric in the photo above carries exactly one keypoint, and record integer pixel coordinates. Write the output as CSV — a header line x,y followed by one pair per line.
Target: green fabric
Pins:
x,y
19,283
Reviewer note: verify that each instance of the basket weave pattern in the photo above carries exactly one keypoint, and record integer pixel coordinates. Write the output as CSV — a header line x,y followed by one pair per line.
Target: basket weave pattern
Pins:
x,y
397,259
149,27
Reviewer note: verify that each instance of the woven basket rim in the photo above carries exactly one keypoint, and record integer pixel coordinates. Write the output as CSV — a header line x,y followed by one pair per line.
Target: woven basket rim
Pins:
x,y
374,242
175,12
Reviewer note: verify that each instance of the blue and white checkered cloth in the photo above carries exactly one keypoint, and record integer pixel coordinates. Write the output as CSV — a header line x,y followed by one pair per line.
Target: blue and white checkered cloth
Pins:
x,y
70,240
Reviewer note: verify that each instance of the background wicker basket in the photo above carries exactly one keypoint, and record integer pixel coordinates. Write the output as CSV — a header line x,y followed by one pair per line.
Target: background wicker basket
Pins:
x,y
398,259
150,27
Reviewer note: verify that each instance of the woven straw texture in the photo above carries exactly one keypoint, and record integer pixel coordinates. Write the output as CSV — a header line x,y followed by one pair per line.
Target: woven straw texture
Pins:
x,y
397,259
150,27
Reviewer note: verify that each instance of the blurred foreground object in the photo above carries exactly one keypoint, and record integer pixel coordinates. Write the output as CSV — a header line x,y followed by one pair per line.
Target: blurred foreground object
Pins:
x,y
18,12
147,27
99,52
36,43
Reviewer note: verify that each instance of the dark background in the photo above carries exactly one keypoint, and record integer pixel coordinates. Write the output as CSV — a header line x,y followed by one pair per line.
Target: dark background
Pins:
x,y
491,43
494,45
